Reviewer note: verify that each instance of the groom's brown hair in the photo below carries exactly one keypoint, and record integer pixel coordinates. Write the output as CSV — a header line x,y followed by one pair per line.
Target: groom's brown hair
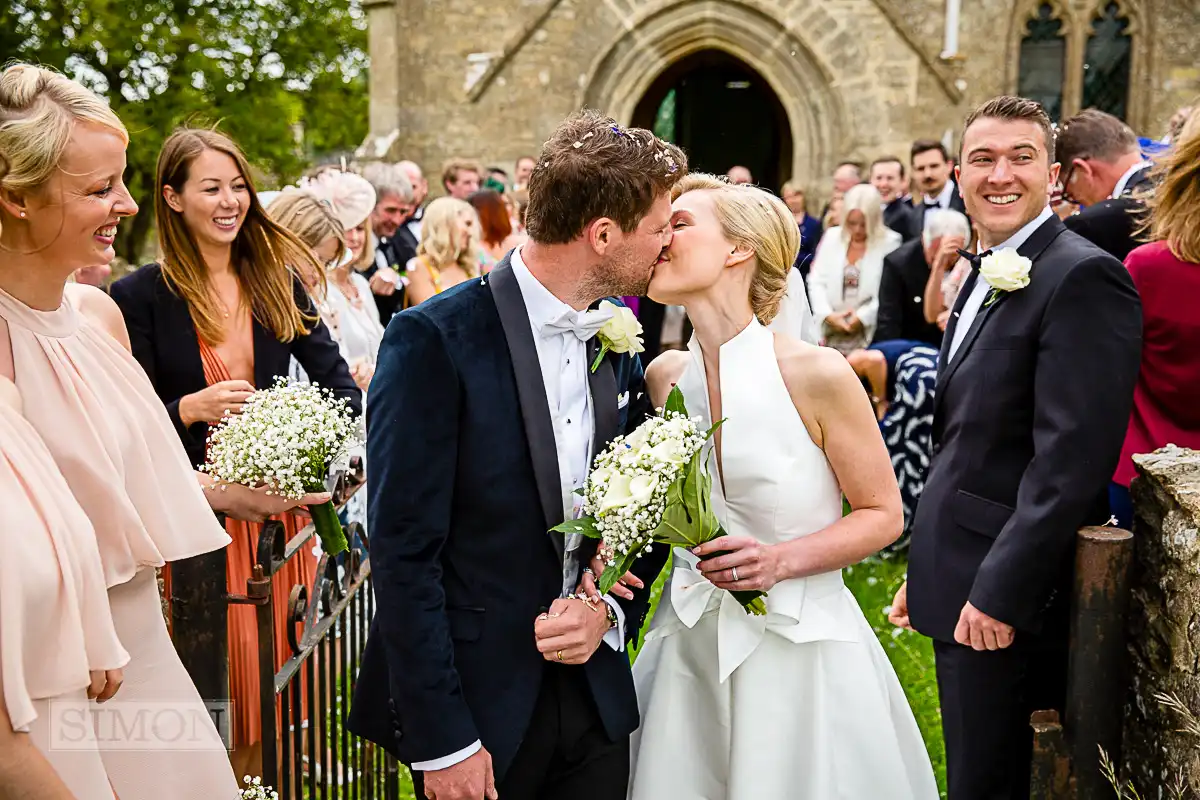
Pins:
x,y
592,167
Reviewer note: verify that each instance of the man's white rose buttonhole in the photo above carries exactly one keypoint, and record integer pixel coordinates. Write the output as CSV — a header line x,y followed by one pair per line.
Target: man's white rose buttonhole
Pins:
x,y
1004,270
621,334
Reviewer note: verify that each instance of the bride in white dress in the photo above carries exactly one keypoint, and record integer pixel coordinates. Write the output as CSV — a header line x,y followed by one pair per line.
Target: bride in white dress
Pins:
x,y
801,704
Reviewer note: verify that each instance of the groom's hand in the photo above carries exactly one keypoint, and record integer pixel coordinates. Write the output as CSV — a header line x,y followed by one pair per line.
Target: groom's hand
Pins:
x,y
979,631
471,779
571,631
898,613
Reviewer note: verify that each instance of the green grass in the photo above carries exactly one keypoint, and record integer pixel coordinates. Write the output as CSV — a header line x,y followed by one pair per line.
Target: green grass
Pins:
x,y
874,582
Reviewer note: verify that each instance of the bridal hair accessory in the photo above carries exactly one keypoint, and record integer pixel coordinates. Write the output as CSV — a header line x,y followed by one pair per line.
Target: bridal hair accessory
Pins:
x,y
652,486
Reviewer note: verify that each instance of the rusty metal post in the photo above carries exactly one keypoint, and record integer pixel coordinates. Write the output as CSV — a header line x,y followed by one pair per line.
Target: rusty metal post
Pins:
x,y
200,628
1096,680
1050,778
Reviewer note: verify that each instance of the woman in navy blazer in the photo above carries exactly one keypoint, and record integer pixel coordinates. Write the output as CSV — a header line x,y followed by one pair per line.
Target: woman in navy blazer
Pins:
x,y
222,314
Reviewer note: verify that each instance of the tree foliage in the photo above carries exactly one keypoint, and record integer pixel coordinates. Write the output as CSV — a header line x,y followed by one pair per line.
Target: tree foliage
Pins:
x,y
285,78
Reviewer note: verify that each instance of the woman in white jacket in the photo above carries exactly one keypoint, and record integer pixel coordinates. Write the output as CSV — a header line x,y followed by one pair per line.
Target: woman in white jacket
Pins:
x,y
843,285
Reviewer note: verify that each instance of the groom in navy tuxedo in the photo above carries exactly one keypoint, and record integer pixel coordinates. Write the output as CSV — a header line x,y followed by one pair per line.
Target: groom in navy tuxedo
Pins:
x,y
480,672
1034,390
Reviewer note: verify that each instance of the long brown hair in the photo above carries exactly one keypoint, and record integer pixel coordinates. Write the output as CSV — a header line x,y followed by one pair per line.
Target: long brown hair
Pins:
x,y
266,256
1175,204
494,223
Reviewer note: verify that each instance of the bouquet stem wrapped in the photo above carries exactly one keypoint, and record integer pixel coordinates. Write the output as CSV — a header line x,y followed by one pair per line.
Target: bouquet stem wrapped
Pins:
x,y
652,487
287,438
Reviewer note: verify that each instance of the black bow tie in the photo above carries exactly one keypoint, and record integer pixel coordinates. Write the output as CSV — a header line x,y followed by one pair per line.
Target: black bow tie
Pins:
x,y
932,204
975,259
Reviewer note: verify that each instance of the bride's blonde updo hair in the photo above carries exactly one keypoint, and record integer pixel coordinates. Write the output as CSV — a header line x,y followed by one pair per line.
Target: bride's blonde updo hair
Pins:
x,y
760,222
38,110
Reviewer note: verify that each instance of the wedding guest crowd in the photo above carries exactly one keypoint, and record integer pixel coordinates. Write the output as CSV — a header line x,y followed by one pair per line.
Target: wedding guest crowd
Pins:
x,y
106,400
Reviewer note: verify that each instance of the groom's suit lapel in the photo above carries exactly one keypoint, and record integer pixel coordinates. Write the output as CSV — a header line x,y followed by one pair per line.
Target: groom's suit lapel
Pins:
x,y
531,392
603,386
1033,247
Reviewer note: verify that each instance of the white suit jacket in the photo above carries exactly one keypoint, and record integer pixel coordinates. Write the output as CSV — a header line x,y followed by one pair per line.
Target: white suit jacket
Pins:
x,y
828,273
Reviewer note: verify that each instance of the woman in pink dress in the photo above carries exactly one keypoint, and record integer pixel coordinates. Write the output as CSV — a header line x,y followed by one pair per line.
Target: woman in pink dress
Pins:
x,y
58,646
66,346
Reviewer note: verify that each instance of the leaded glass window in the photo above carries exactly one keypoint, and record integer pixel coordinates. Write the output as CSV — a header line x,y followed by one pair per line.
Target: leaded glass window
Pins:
x,y
1107,62
1042,61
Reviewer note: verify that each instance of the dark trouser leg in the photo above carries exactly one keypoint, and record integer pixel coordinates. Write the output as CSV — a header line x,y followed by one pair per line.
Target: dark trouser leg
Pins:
x,y
987,698
587,764
565,752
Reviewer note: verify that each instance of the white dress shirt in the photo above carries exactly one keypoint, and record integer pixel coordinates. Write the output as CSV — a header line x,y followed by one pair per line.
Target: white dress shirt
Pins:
x,y
564,362
1124,180
944,197
980,290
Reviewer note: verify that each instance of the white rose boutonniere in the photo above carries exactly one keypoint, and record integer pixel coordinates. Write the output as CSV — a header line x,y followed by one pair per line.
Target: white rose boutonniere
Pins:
x,y
1005,271
621,334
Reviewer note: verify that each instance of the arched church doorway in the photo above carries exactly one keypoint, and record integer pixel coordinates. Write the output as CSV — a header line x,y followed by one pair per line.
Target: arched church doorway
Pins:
x,y
722,113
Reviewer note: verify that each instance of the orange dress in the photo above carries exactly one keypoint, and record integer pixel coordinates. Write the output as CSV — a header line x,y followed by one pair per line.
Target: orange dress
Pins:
x,y
240,558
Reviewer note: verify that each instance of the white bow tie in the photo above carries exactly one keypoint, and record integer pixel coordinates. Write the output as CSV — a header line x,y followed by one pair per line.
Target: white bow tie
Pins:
x,y
584,324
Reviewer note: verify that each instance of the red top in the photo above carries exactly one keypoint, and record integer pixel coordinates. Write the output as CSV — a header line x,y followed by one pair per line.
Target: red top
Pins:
x,y
1166,401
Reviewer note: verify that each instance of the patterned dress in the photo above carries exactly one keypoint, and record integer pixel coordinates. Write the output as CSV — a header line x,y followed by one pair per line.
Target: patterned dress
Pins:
x,y
908,428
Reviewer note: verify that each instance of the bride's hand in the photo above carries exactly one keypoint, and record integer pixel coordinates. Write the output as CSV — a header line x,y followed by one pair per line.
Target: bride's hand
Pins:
x,y
592,573
757,565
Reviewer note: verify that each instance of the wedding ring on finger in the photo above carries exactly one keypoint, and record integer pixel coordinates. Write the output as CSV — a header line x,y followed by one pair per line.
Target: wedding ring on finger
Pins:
x,y
735,577
558,655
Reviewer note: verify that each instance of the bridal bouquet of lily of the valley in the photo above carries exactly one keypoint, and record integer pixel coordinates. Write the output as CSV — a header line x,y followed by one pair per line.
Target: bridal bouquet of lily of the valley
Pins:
x,y
652,486
286,438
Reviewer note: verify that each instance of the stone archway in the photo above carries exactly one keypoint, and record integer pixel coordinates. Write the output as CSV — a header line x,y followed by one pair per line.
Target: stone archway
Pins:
x,y
632,62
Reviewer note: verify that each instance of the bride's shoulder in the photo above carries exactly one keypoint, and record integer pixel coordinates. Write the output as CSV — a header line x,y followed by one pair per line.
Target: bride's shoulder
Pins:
x,y
814,374
663,373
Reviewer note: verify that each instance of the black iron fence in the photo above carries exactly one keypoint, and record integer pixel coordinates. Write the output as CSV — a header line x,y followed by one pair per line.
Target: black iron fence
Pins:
x,y
307,752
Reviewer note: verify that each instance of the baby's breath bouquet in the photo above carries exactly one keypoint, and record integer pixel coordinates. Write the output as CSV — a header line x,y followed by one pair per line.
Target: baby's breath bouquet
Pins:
x,y
256,791
652,486
287,438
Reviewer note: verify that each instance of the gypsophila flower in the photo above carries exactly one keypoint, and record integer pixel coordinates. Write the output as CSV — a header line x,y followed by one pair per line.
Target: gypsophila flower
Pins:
x,y
652,486
626,491
286,438
256,791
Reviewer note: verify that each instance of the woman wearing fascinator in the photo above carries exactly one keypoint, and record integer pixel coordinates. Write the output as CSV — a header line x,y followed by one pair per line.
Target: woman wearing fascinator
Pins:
x,y
802,702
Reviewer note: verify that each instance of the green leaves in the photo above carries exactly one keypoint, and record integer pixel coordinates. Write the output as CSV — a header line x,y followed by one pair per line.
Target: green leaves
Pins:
x,y
285,78
615,572
585,526
675,403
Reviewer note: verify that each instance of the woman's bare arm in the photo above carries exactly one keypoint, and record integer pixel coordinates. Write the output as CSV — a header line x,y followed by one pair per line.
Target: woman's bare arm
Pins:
x,y
420,283
839,418
663,373
824,387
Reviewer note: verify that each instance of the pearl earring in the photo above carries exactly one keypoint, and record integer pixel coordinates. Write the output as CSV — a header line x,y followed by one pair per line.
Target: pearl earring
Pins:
x,y
22,215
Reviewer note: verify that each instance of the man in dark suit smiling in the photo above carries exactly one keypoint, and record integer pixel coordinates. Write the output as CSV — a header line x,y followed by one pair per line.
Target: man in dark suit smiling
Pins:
x,y
1035,386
